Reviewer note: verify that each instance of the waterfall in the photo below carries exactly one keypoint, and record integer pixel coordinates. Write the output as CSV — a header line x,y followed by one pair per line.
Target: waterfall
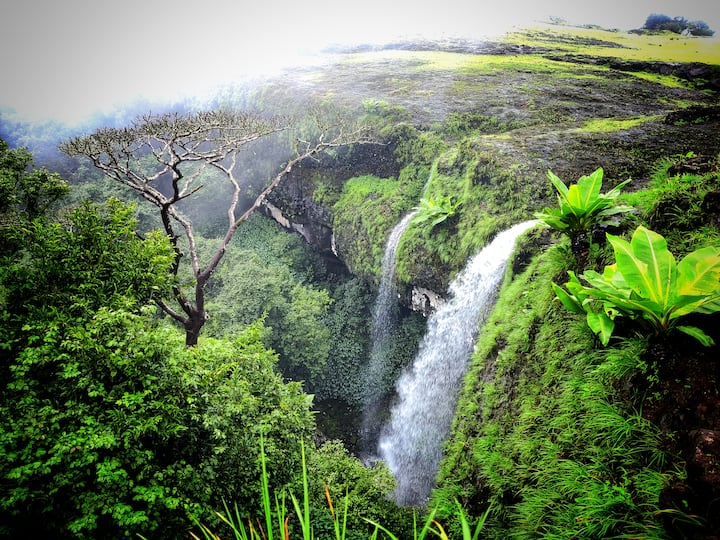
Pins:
x,y
411,442
383,324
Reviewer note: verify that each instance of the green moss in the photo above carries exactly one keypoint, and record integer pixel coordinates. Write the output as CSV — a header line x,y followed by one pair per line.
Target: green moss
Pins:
x,y
681,205
666,47
608,125
664,80
367,210
548,430
492,198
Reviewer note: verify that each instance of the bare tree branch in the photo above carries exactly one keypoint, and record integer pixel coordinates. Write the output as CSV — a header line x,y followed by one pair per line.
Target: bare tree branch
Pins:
x,y
182,147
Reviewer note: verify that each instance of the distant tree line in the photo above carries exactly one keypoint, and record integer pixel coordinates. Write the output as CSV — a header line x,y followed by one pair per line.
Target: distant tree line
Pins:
x,y
678,25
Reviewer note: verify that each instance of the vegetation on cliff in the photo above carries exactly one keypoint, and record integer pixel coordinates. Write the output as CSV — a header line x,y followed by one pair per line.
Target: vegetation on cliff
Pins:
x,y
562,437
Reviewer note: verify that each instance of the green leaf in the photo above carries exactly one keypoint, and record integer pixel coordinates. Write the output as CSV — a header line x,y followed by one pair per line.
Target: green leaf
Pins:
x,y
601,324
698,334
552,218
711,305
685,305
646,265
570,302
652,248
614,192
699,272
616,209
587,190
559,184
581,206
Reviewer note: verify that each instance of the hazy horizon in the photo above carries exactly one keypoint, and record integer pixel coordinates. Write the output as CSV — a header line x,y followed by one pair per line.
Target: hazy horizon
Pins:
x,y
69,60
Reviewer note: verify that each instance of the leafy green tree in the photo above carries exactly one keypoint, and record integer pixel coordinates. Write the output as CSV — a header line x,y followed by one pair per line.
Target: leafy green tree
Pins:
x,y
303,334
342,478
165,159
25,190
266,274
657,21
646,283
700,28
109,425
91,259
349,328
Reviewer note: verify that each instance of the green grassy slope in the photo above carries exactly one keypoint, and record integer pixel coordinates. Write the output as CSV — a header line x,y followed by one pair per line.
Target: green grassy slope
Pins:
x,y
567,439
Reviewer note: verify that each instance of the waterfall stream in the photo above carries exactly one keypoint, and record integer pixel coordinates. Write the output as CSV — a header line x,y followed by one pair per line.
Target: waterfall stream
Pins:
x,y
383,323
411,442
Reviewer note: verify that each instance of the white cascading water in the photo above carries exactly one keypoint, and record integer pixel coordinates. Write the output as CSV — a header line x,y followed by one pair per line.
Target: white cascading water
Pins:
x,y
383,323
411,442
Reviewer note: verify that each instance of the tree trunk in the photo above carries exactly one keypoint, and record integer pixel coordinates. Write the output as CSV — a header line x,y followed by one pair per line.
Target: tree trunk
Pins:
x,y
193,325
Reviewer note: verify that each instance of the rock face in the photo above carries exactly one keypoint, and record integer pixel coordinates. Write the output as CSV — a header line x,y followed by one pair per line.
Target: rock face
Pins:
x,y
424,300
706,76
312,221
294,205
553,110
693,114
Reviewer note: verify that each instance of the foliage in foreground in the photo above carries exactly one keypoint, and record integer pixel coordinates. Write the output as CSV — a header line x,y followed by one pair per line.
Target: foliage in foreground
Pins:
x,y
582,208
285,515
109,425
563,457
555,433
647,283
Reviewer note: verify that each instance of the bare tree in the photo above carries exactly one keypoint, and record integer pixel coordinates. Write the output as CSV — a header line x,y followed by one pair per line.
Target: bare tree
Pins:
x,y
182,147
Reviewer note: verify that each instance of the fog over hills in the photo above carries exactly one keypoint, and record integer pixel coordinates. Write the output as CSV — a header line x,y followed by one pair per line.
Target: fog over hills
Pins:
x,y
67,61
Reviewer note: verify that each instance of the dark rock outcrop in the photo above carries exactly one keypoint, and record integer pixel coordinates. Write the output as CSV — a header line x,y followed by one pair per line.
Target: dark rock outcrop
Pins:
x,y
293,203
705,76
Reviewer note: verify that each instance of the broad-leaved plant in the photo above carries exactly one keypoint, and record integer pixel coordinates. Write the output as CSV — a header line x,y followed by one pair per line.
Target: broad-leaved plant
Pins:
x,y
647,283
433,211
581,206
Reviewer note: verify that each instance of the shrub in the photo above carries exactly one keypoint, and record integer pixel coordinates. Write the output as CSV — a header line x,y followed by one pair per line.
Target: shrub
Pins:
x,y
581,208
677,25
647,284
109,425
432,212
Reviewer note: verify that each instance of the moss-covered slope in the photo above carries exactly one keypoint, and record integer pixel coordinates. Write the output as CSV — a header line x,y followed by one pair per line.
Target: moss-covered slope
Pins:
x,y
487,120
558,436
564,438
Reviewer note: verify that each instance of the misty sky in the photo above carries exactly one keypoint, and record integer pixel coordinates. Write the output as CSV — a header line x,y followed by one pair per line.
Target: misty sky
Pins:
x,y
65,59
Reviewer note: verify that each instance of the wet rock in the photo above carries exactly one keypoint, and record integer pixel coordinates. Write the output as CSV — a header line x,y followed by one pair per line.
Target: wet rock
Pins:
x,y
705,459
424,300
694,115
706,76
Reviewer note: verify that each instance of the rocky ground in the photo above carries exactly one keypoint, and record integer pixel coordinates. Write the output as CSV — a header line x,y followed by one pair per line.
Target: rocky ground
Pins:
x,y
559,109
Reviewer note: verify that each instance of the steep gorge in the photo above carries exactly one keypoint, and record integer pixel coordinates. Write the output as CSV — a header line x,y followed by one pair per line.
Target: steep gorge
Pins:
x,y
552,433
